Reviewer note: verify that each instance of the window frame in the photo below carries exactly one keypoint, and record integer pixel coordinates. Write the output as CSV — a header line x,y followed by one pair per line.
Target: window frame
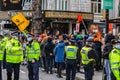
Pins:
x,y
93,3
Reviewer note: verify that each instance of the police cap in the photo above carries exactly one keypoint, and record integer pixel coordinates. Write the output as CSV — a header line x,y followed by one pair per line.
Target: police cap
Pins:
x,y
30,35
15,33
72,40
117,41
89,40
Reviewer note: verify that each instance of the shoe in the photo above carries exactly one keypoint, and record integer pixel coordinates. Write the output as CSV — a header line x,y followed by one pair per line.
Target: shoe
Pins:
x,y
60,77
57,75
47,72
51,73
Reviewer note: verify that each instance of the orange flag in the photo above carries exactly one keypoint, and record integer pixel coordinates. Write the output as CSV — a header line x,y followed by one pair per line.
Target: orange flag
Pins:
x,y
110,28
98,33
79,18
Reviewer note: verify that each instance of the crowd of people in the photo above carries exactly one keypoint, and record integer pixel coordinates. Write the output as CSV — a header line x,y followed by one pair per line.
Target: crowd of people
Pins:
x,y
61,51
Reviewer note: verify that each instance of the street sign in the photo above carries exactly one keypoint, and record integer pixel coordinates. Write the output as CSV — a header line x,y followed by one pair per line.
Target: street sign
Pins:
x,y
107,4
20,21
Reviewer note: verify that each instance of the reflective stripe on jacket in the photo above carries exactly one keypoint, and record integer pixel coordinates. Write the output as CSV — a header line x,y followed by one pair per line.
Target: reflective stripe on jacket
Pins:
x,y
33,52
114,58
84,54
13,52
2,48
71,52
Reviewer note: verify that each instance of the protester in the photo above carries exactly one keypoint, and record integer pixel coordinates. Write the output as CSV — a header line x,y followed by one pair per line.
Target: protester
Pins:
x,y
59,55
49,55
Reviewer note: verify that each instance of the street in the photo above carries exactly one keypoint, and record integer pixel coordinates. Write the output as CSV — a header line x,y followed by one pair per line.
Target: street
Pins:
x,y
44,76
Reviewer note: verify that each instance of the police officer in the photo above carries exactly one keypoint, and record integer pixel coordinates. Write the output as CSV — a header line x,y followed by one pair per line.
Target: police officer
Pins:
x,y
71,56
14,56
2,47
33,55
88,58
114,58
5,40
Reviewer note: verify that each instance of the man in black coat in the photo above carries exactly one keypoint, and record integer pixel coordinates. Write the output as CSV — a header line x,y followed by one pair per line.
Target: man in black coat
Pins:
x,y
49,55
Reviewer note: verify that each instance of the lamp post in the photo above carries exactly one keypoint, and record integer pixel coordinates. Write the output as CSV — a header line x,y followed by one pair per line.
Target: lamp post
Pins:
x,y
107,5
107,20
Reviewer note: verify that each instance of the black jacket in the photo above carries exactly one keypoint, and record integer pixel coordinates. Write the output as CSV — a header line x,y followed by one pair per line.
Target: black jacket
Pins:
x,y
49,49
106,50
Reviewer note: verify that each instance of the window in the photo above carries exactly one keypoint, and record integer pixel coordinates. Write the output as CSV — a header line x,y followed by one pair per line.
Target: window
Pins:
x,y
96,6
66,4
61,5
55,5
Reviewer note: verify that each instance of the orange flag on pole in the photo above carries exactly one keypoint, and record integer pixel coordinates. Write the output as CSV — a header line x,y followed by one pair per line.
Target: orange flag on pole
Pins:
x,y
79,18
110,28
98,33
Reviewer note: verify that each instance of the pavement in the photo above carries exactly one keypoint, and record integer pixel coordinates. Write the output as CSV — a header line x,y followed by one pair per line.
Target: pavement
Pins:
x,y
97,75
44,76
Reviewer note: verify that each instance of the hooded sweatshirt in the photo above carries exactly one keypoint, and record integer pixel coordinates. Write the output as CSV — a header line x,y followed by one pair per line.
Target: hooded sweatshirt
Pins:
x,y
59,52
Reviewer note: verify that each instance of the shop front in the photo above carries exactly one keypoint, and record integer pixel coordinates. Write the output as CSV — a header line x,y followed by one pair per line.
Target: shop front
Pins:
x,y
65,21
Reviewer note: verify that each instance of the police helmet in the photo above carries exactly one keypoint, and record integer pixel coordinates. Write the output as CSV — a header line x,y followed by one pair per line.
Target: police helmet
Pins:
x,y
90,40
30,35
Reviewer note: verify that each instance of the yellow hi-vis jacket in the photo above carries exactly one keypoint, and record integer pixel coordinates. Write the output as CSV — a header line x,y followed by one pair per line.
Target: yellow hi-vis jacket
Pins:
x,y
13,52
33,51
2,48
71,52
84,54
114,58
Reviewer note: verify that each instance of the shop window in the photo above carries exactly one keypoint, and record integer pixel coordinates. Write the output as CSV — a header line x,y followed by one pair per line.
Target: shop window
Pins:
x,y
96,6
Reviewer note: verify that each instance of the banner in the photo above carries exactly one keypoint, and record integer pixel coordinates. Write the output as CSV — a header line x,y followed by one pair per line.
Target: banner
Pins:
x,y
77,27
21,22
110,28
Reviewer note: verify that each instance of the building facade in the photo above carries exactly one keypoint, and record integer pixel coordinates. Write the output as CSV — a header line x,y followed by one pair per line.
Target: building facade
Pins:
x,y
67,5
114,16
62,14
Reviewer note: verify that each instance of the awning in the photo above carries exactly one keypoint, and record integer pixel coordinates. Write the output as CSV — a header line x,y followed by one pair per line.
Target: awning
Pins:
x,y
115,20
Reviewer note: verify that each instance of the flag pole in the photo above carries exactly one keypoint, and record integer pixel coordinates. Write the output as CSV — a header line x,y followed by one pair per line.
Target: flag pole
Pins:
x,y
85,26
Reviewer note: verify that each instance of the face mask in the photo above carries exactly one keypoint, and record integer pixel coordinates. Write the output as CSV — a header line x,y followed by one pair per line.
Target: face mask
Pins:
x,y
95,31
117,46
16,38
29,39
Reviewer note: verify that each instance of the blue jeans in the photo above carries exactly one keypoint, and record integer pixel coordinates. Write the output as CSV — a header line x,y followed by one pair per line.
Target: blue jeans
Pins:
x,y
107,69
89,72
0,71
33,71
70,70
10,67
